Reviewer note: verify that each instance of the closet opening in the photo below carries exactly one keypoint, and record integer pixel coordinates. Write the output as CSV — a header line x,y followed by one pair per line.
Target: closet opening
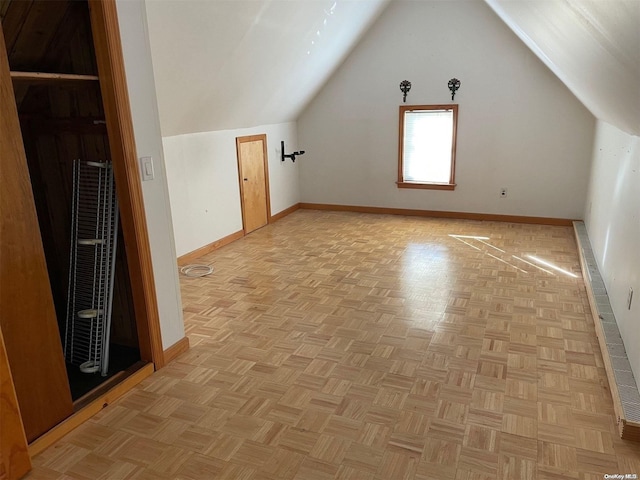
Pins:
x,y
58,98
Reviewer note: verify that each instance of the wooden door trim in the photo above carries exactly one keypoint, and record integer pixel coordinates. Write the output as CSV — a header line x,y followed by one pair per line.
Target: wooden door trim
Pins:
x,y
133,377
14,454
247,139
115,97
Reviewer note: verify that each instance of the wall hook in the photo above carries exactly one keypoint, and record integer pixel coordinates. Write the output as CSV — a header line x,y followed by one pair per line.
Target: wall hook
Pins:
x,y
454,85
292,156
405,86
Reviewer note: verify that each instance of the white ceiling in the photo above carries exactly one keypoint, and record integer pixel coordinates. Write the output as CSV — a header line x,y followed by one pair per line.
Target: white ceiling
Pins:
x,y
593,46
226,64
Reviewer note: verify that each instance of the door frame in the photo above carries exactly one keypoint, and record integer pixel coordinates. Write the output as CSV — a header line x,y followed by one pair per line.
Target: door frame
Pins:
x,y
265,158
115,97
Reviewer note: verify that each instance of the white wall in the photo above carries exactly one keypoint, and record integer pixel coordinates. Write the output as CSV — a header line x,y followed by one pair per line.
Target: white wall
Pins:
x,y
612,218
144,110
519,126
202,173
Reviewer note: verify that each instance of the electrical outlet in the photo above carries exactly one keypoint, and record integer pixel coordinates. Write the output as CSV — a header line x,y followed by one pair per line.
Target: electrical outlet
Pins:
x,y
503,192
630,298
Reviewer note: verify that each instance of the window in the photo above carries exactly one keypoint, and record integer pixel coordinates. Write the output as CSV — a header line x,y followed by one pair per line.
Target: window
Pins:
x,y
427,146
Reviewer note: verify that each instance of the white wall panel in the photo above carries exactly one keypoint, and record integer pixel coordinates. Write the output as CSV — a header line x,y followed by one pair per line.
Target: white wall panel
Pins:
x,y
612,218
202,172
519,127
144,110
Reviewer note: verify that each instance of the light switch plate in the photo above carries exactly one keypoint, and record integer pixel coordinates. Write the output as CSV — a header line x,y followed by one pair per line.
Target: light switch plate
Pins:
x,y
146,168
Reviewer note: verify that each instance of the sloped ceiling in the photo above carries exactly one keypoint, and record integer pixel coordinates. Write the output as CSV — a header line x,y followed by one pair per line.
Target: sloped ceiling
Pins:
x,y
593,46
224,64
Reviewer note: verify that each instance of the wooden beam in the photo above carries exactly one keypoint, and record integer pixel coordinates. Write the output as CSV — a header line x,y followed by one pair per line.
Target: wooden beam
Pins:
x,y
39,78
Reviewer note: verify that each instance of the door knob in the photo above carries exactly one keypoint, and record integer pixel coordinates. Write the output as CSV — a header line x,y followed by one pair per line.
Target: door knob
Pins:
x,y
246,179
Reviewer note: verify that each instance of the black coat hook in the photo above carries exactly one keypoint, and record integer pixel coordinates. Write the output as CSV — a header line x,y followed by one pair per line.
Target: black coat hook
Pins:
x,y
292,156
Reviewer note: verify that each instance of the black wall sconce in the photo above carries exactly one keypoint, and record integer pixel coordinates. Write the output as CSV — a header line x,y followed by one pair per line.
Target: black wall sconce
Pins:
x,y
405,86
454,85
292,156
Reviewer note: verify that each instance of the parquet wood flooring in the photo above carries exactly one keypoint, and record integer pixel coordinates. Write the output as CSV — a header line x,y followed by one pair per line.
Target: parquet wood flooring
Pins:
x,y
353,346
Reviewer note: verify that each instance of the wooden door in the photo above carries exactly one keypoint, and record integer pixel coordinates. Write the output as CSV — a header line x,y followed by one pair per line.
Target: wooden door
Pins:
x,y
27,314
254,181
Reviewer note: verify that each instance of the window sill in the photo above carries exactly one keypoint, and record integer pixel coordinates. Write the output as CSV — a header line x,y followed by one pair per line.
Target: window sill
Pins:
x,y
427,186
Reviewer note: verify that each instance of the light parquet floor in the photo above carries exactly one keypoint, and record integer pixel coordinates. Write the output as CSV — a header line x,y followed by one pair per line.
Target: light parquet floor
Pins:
x,y
353,346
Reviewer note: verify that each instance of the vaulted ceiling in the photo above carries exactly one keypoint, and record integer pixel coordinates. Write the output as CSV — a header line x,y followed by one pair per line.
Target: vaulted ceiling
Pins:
x,y
593,46
228,64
